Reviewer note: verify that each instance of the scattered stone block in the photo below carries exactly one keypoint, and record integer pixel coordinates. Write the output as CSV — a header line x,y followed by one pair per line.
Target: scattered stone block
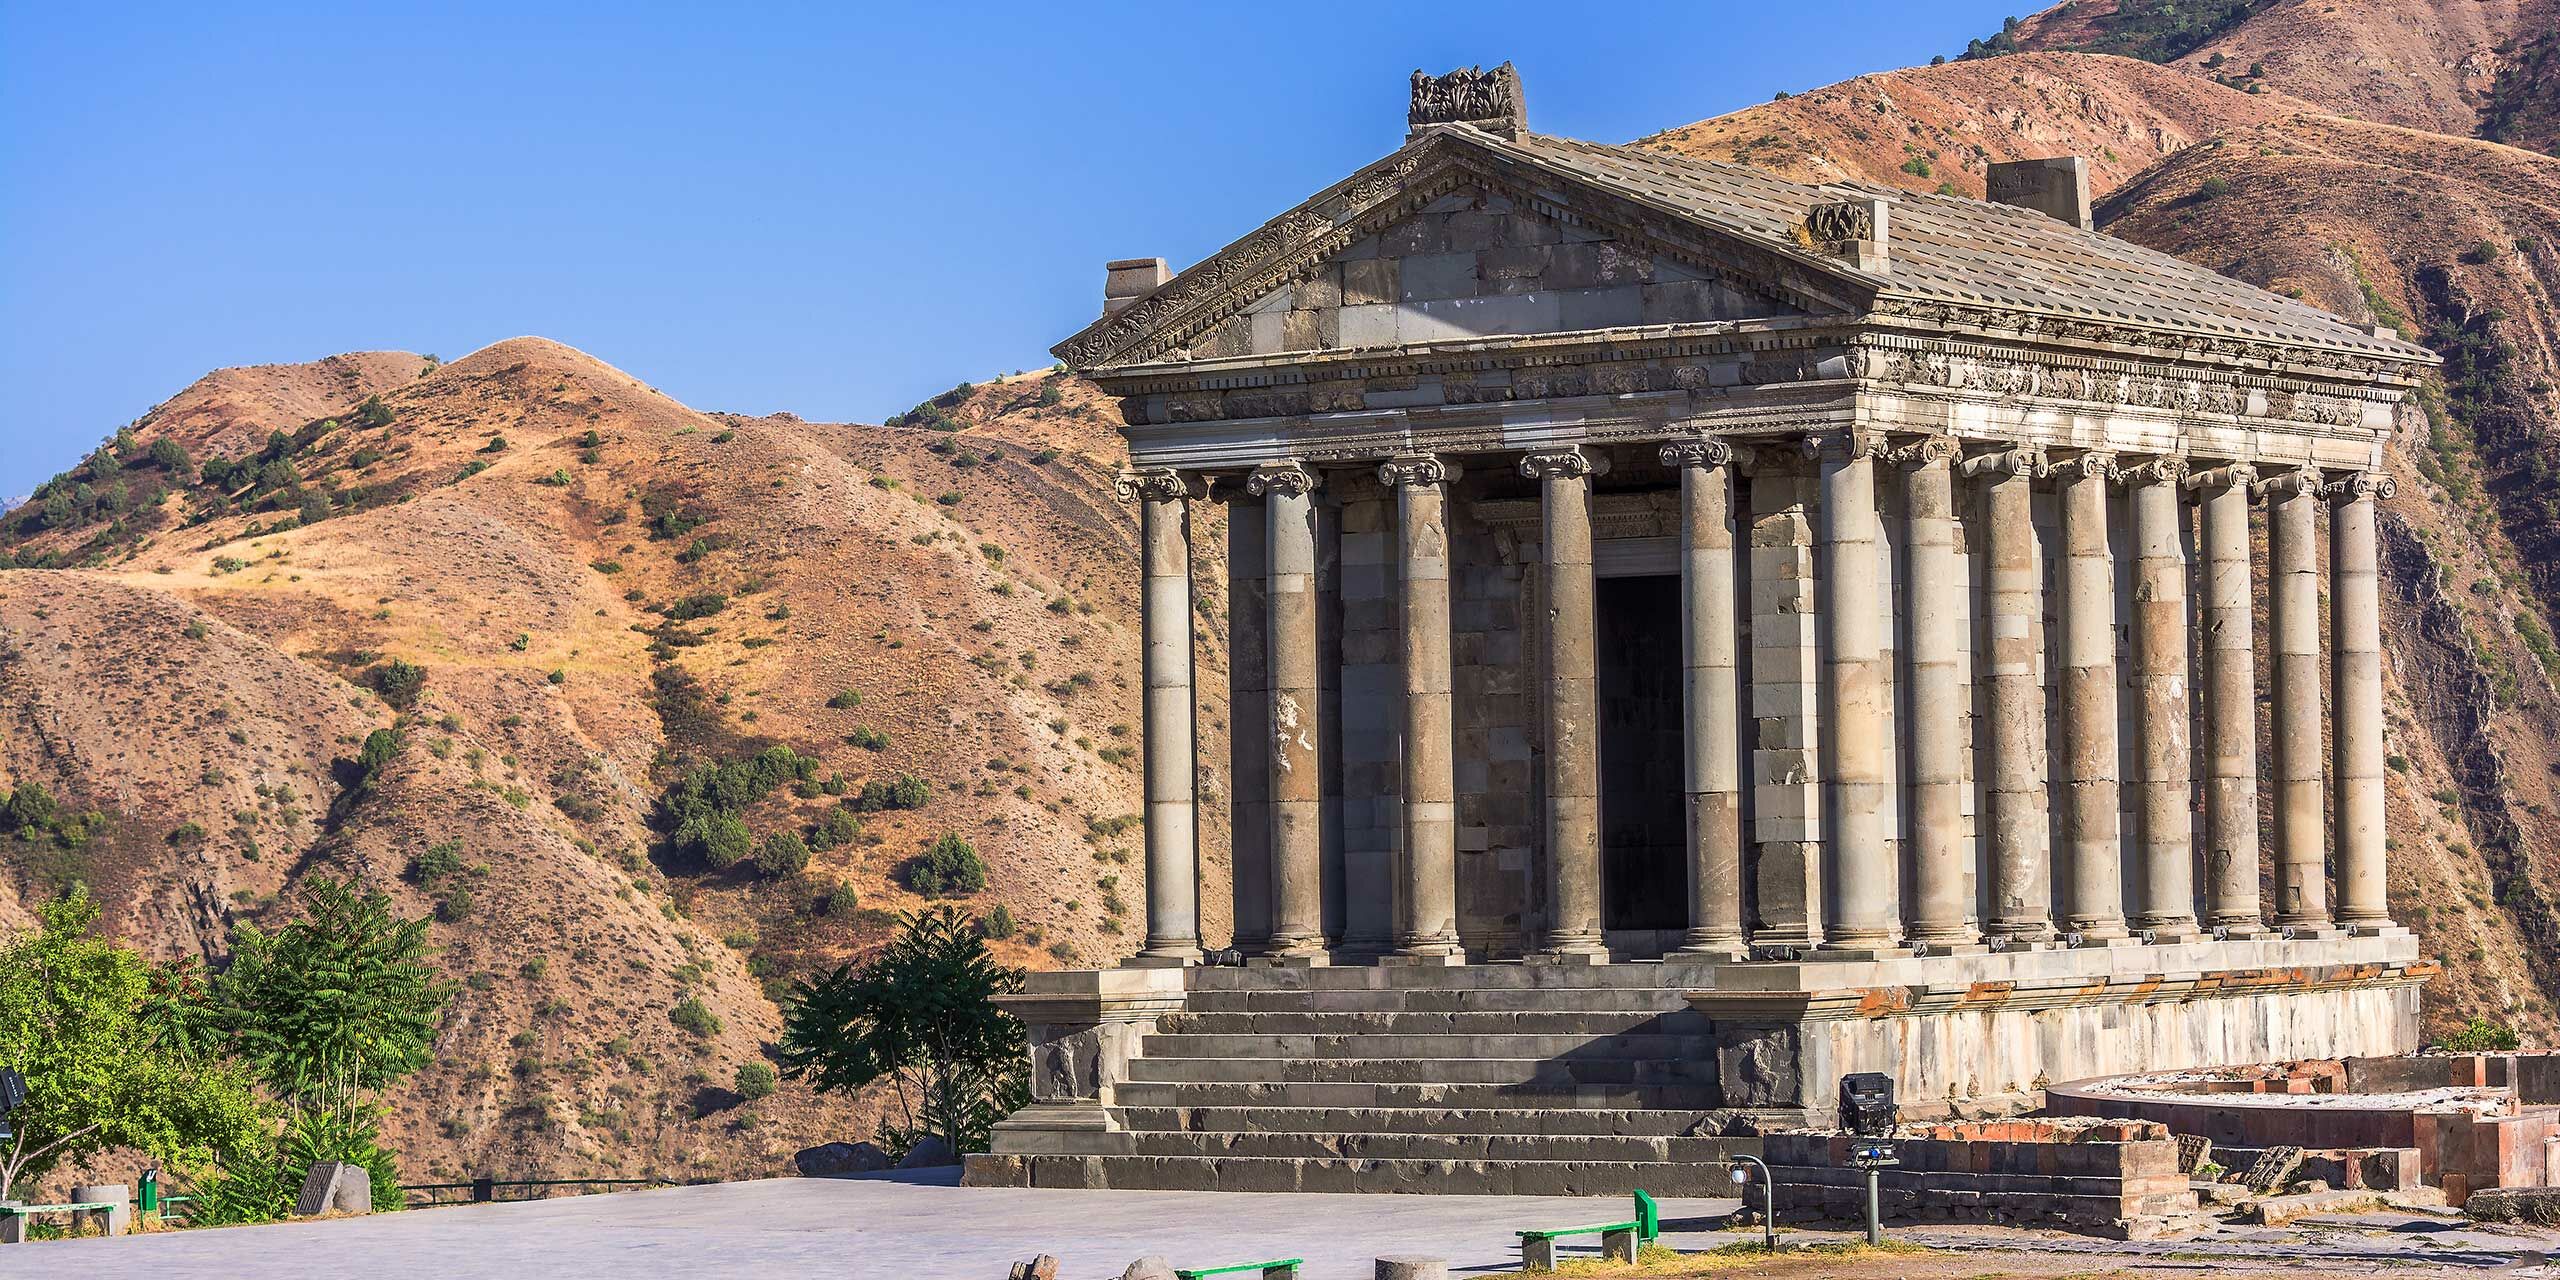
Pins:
x,y
1412,1268
1152,1267
2538,1206
2275,1211
836,1159
334,1187
929,1153
2272,1170
2194,1149
1043,1267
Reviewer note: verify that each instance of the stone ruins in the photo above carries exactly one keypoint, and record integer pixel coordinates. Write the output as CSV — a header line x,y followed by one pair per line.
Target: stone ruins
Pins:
x,y
1695,635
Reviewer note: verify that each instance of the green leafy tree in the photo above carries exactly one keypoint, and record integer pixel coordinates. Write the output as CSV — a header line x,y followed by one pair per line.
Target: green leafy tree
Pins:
x,y
923,1016
105,1064
334,1005
338,1000
949,868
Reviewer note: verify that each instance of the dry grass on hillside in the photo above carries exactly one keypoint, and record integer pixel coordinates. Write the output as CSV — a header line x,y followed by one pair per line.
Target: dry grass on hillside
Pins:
x,y
946,604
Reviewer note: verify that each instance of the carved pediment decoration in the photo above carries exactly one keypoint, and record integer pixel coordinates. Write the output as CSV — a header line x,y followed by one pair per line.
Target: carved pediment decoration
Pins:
x,y
1469,95
1840,221
1291,246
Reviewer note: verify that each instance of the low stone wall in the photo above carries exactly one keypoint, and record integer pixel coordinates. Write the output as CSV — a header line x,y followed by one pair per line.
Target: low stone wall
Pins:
x,y
2105,1178
1785,1034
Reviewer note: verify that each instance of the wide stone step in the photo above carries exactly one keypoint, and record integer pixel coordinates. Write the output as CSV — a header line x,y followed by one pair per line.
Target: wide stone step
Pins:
x,y
1274,1173
1463,1000
1438,1146
1518,1120
1557,1073
1274,1093
1627,1045
1409,1022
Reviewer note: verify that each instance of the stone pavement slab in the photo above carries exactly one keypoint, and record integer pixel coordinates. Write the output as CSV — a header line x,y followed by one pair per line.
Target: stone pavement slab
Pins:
x,y
849,1229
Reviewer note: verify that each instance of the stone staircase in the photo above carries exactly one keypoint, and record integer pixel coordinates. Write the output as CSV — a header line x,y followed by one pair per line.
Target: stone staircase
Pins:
x,y
1495,1079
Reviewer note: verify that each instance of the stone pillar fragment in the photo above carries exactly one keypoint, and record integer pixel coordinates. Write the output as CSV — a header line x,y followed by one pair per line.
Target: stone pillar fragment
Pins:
x,y
2166,787
2355,700
1297,782
2230,703
1173,853
1572,641
1712,696
1865,880
1427,898
2093,893
2020,862
1786,679
1940,915
2293,612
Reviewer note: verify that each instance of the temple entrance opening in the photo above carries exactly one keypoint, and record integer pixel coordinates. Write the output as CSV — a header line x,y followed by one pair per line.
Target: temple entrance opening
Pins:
x,y
1642,827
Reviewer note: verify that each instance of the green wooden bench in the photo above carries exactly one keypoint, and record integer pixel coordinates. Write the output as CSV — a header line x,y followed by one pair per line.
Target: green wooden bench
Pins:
x,y
1276,1269
1618,1240
13,1217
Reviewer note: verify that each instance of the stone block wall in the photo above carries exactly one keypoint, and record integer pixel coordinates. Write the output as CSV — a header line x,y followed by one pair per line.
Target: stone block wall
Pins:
x,y
2118,1180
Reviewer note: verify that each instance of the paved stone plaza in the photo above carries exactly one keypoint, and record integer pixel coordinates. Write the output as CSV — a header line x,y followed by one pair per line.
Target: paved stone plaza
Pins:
x,y
866,1229
860,1228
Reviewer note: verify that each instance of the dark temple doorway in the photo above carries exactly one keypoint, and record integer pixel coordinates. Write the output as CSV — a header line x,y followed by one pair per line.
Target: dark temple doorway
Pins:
x,y
1644,884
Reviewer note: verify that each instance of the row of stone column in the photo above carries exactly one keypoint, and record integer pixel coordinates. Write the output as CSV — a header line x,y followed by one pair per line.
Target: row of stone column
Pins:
x,y
1857,827
2083,775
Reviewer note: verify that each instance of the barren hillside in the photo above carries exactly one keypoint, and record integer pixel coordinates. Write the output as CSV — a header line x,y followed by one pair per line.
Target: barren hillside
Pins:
x,y
603,588
2469,68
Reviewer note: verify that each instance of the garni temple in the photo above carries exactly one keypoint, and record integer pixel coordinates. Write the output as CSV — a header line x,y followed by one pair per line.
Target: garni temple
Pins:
x,y
1697,635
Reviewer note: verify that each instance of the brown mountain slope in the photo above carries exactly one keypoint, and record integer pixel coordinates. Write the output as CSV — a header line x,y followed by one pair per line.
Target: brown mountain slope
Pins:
x,y
2436,65
2456,240
1934,128
601,585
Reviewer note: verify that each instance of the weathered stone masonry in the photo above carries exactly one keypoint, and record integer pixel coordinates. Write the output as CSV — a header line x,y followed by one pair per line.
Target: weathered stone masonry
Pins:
x,y
1920,525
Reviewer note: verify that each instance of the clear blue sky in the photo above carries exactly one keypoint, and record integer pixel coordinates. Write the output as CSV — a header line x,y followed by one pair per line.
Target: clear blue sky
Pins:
x,y
831,209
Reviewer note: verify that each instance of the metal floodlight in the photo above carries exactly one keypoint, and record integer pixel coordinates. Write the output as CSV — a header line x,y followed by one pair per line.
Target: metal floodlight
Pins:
x,y
1740,1167
1866,1104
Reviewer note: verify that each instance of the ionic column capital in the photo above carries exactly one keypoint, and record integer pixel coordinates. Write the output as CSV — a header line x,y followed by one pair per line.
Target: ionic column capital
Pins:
x,y
1706,452
1288,478
1569,464
2364,486
2299,482
1843,446
2025,460
2168,469
1925,451
2095,464
1415,468
2230,475
1162,484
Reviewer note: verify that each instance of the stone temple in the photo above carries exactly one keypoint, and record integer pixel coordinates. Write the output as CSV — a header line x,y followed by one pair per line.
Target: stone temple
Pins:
x,y
1696,635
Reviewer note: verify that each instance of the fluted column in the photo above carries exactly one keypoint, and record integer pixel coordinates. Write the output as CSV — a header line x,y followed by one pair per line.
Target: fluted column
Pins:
x,y
1866,880
1941,894
2020,843
1573,706
2166,797
1173,854
1297,784
2230,702
2355,699
2293,612
1712,695
1427,899
2093,895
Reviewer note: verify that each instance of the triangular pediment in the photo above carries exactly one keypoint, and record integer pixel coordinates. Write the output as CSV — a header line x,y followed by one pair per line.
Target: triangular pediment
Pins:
x,y
1454,240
